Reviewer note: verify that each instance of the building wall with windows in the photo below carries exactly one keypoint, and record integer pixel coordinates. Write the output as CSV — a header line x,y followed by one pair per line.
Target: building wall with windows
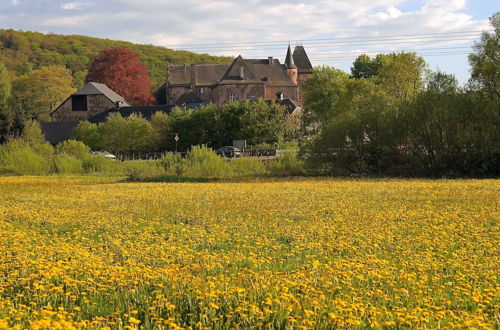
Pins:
x,y
222,94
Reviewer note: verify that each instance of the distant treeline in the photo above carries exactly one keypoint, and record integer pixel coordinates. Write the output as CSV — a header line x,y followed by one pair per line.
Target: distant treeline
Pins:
x,y
23,52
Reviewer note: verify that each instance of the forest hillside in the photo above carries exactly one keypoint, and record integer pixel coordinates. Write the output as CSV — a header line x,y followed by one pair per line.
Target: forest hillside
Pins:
x,y
24,51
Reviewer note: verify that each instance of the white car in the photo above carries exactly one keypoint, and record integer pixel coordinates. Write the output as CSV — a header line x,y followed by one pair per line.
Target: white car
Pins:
x,y
104,153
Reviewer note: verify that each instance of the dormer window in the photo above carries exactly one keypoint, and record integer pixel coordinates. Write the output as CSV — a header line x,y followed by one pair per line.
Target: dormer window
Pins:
x,y
232,98
79,103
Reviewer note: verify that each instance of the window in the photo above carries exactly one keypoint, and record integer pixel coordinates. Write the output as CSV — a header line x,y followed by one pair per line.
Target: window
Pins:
x,y
231,97
79,103
201,90
252,97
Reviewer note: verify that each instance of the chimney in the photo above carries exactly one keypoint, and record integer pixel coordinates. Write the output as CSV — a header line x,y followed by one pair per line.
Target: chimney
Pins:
x,y
193,76
242,73
270,59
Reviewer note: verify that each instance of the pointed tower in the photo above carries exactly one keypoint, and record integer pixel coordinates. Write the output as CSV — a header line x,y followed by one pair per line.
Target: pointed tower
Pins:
x,y
291,68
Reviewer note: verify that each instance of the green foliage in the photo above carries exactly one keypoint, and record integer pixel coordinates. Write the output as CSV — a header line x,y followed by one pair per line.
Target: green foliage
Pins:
x,y
17,157
485,61
321,93
99,164
262,122
89,134
287,164
74,148
38,93
66,164
32,133
143,170
173,164
202,161
6,115
247,166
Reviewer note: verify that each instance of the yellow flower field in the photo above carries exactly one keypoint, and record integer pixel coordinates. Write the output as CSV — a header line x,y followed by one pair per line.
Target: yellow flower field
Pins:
x,y
305,253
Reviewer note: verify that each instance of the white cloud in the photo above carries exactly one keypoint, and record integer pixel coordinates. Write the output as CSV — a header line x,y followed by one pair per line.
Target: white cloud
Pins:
x,y
188,22
71,5
14,2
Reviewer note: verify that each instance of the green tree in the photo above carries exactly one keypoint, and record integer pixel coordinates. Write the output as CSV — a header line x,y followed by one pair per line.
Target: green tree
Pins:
x,y
401,74
262,122
126,136
39,93
6,119
321,94
362,137
364,67
485,60
32,133
89,134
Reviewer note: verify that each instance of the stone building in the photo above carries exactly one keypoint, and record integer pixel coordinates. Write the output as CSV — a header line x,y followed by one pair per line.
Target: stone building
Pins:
x,y
92,99
244,79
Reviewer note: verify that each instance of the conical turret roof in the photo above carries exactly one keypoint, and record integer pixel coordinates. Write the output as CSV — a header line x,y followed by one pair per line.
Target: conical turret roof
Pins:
x,y
289,63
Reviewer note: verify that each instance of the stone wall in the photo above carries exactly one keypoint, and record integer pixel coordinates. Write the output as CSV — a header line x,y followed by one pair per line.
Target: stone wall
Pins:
x,y
242,92
95,105
291,92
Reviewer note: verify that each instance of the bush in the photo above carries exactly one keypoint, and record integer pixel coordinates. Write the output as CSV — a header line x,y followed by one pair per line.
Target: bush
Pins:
x,y
66,164
173,164
18,158
74,148
202,161
143,170
247,166
100,164
287,165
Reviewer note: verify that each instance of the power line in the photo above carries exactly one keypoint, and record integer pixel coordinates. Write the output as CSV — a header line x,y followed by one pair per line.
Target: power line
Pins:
x,y
426,55
325,39
310,55
345,44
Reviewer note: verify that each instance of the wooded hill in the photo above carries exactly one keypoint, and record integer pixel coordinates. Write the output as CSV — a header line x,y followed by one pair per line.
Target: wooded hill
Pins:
x,y
24,51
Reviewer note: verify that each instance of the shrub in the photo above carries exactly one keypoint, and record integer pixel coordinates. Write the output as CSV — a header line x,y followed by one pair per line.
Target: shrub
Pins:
x,y
247,166
287,165
173,164
18,158
67,164
100,164
143,170
74,148
203,162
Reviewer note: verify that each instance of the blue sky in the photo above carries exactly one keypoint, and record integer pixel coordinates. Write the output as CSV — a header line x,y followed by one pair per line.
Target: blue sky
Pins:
x,y
441,30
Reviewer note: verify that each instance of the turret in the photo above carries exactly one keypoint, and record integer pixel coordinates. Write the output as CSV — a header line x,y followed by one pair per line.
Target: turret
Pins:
x,y
291,68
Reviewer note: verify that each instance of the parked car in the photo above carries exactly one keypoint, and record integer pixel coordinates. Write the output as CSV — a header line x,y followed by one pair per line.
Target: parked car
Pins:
x,y
228,151
104,153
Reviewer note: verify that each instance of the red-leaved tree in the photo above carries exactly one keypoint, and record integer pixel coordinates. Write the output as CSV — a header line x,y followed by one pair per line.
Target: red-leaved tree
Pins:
x,y
120,69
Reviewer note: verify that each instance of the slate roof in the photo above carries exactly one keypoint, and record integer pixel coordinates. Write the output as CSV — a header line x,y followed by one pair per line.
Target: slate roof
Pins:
x,y
302,60
289,63
255,71
190,100
93,88
206,74
147,112
58,131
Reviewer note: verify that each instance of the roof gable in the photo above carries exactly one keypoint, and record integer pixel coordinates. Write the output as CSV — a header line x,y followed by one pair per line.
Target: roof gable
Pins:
x,y
93,88
239,70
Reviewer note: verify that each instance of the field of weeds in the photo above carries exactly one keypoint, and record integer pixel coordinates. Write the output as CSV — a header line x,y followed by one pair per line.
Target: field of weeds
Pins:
x,y
311,253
